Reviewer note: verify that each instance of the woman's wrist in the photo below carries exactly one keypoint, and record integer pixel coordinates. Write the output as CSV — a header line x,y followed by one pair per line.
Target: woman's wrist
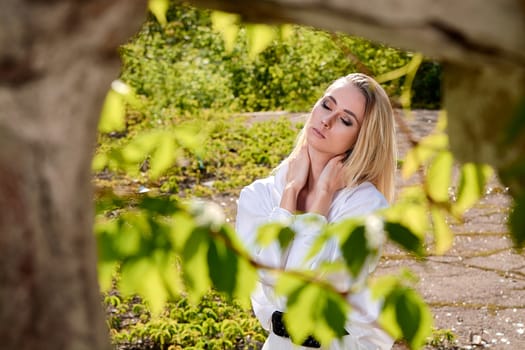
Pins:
x,y
289,197
322,201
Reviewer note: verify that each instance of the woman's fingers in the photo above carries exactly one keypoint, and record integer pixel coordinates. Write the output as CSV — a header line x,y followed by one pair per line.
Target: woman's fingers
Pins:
x,y
332,175
338,159
298,168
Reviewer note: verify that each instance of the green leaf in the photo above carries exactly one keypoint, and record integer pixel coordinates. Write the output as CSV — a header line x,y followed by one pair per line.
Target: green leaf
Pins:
x,y
159,8
517,221
106,249
195,263
418,156
442,121
182,226
112,116
275,231
159,205
387,319
413,318
355,250
138,149
288,284
260,36
405,315
128,240
319,243
227,25
393,74
404,237
443,236
285,237
142,277
286,31
162,158
439,176
105,225
106,272
99,162
384,285
434,142
471,185
416,219
169,273
334,313
268,233
303,304
322,313
410,210
412,67
408,316
190,138
344,228
411,163
223,267
246,284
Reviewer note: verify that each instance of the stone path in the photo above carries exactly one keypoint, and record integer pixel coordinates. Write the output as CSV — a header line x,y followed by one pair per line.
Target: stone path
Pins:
x,y
477,289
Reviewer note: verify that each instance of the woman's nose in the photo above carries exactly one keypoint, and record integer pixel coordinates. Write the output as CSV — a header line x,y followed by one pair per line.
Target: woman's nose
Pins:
x,y
326,121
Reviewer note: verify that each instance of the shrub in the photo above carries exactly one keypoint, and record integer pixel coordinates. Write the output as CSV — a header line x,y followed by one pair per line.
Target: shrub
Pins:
x,y
213,323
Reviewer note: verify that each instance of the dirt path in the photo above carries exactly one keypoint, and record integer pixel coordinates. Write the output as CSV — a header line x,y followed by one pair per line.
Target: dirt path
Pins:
x,y
477,289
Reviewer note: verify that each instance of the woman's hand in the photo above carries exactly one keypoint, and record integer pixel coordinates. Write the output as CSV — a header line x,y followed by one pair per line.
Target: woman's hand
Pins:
x,y
331,179
298,169
296,177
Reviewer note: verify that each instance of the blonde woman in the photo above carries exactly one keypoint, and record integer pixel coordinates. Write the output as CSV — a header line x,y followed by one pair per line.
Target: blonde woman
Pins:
x,y
343,166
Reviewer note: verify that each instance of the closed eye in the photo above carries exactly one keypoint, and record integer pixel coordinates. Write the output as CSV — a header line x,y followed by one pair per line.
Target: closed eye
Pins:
x,y
325,105
346,122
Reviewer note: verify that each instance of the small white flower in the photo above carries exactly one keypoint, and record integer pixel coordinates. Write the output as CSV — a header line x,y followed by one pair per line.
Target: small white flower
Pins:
x,y
207,214
374,231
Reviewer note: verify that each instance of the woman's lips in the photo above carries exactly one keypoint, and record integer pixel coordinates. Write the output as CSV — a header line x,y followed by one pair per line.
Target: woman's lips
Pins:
x,y
318,133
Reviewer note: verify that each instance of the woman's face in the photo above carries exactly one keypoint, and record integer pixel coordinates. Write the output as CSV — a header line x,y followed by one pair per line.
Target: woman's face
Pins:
x,y
336,120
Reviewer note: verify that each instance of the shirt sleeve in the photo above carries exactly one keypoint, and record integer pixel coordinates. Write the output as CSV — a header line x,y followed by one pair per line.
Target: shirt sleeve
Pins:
x,y
362,320
256,207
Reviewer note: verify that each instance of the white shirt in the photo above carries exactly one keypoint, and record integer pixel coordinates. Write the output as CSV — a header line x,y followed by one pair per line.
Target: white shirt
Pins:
x,y
259,204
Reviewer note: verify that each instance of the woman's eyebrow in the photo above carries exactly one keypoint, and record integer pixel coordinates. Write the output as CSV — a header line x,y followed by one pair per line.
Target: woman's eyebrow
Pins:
x,y
347,111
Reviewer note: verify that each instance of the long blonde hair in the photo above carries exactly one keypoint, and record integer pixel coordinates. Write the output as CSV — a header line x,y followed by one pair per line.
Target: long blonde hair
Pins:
x,y
374,155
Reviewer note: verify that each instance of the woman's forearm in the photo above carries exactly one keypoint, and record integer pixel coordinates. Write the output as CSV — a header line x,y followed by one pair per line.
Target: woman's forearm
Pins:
x,y
321,203
289,198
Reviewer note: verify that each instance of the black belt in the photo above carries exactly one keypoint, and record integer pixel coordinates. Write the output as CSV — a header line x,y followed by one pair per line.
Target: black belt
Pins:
x,y
279,329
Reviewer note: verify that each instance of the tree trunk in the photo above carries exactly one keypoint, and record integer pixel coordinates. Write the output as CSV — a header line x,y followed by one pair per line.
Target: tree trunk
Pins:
x,y
57,61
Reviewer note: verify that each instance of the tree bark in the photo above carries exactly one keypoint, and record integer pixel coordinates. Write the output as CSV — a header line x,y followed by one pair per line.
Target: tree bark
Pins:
x,y
57,61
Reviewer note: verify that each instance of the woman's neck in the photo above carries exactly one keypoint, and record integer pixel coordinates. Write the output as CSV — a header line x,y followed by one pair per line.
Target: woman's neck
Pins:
x,y
318,161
